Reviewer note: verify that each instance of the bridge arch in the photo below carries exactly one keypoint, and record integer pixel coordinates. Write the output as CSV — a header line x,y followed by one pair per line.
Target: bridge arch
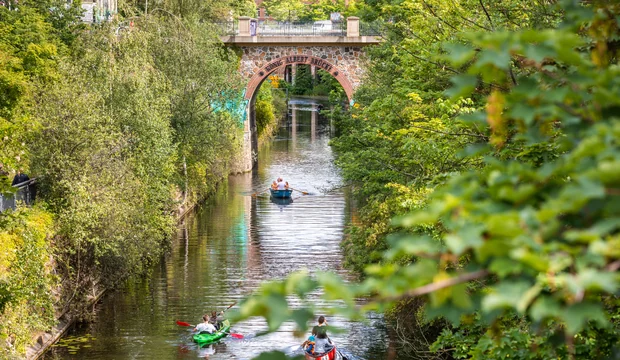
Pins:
x,y
263,73
257,79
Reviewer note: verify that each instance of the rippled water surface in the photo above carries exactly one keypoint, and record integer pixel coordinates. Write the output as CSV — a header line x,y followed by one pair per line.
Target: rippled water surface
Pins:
x,y
226,249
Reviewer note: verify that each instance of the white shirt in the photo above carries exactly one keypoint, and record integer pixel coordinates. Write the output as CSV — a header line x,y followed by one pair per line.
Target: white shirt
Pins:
x,y
205,327
281,185
319,345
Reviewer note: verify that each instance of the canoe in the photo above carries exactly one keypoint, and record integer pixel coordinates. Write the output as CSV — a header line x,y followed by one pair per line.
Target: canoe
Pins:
x,y
281,194
333,354
281,201
206,339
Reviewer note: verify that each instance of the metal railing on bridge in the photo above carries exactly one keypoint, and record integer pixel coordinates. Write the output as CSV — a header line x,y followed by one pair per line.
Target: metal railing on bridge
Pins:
x,y
370,29
300,28
229,27
25,193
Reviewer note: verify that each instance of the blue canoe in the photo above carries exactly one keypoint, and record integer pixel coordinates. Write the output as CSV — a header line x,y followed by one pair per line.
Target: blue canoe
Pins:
x,y
281,194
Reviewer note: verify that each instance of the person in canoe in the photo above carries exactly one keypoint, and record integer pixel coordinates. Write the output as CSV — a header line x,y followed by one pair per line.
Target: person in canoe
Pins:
x,y
205,327
322,343
308,345
281,184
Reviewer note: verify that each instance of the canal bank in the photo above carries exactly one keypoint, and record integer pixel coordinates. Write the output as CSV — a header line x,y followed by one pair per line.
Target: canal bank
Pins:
x,y
226,249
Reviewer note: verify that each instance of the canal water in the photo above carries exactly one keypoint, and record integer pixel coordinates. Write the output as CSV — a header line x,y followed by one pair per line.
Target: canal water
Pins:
x,y
226,249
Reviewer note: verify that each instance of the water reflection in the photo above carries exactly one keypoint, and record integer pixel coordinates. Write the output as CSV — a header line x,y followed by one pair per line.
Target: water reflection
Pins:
x,y
281,202
228,248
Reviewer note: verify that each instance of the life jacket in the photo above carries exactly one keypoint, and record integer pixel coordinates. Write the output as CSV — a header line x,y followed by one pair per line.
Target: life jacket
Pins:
x,y
310,346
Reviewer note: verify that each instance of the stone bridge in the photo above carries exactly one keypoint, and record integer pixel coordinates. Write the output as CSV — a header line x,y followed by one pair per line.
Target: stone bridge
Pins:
x,y
276,49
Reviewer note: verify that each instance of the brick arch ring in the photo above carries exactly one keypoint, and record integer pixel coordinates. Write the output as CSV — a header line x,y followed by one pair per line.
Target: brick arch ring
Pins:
x,y
258,78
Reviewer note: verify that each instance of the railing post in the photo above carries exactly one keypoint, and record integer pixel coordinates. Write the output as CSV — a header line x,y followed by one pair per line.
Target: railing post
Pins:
x,y
248,26
353,26
244,26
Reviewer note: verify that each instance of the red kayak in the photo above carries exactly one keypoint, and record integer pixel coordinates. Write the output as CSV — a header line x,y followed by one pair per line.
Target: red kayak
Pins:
x,y
332,354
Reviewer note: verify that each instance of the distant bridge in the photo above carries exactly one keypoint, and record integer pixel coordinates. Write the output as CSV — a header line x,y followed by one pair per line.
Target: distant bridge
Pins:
x,y
270,47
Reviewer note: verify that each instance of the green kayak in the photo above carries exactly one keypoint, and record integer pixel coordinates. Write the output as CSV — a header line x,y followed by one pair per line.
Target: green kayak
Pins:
x,y
206,339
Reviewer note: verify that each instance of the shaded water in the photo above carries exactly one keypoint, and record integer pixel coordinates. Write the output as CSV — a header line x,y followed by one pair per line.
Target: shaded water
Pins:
x,y
225,250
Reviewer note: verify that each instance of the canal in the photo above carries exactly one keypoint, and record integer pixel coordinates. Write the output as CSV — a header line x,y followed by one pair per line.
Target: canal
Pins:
x,y
227,248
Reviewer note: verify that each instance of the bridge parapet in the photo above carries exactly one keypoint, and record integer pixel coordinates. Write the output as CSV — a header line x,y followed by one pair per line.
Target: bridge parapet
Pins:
x,y
249,27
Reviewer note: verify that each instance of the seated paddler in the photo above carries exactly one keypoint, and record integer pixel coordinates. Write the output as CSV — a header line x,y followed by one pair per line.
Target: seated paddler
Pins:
x,y
281,184
205,327
217,319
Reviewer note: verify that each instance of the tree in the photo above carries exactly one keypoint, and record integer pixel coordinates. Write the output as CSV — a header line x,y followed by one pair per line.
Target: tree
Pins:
x,y
211,10
28,59
198,69
285,10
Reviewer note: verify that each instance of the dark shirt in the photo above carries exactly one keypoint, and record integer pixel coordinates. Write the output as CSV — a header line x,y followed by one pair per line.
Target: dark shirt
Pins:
x,y
20,178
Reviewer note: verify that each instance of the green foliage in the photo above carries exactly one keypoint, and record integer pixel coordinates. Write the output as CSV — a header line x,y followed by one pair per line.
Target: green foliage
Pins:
x,y
200,72
265,110
63,16
206,10
297,10
26,279
303,81
327,85
115,124
322,9
518,163
512,336
285,10
322,85
105,156
28,51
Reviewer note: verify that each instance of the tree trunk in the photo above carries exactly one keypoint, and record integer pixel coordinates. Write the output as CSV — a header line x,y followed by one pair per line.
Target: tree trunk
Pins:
x,y
185,178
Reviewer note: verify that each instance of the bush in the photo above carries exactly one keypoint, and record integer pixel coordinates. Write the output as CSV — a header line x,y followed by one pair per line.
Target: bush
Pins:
x,y
26,279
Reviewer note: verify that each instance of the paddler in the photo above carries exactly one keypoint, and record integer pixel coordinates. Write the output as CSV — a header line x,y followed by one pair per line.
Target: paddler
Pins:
x,y
205,327
322,343
217,319
281,184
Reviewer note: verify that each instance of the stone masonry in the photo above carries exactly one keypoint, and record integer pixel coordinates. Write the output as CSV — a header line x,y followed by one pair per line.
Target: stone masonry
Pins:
x,y
345,60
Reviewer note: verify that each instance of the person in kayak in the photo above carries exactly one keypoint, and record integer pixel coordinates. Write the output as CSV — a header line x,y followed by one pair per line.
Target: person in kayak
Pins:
x,y
217,319
205,327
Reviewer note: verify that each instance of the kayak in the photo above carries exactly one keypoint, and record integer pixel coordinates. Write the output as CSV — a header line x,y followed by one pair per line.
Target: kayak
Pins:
x,y
206,338
332,354
281,194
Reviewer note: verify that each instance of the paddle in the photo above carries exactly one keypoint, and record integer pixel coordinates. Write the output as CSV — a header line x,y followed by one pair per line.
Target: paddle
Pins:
x,y
233,304
254,195
303,192
235,335
182,323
